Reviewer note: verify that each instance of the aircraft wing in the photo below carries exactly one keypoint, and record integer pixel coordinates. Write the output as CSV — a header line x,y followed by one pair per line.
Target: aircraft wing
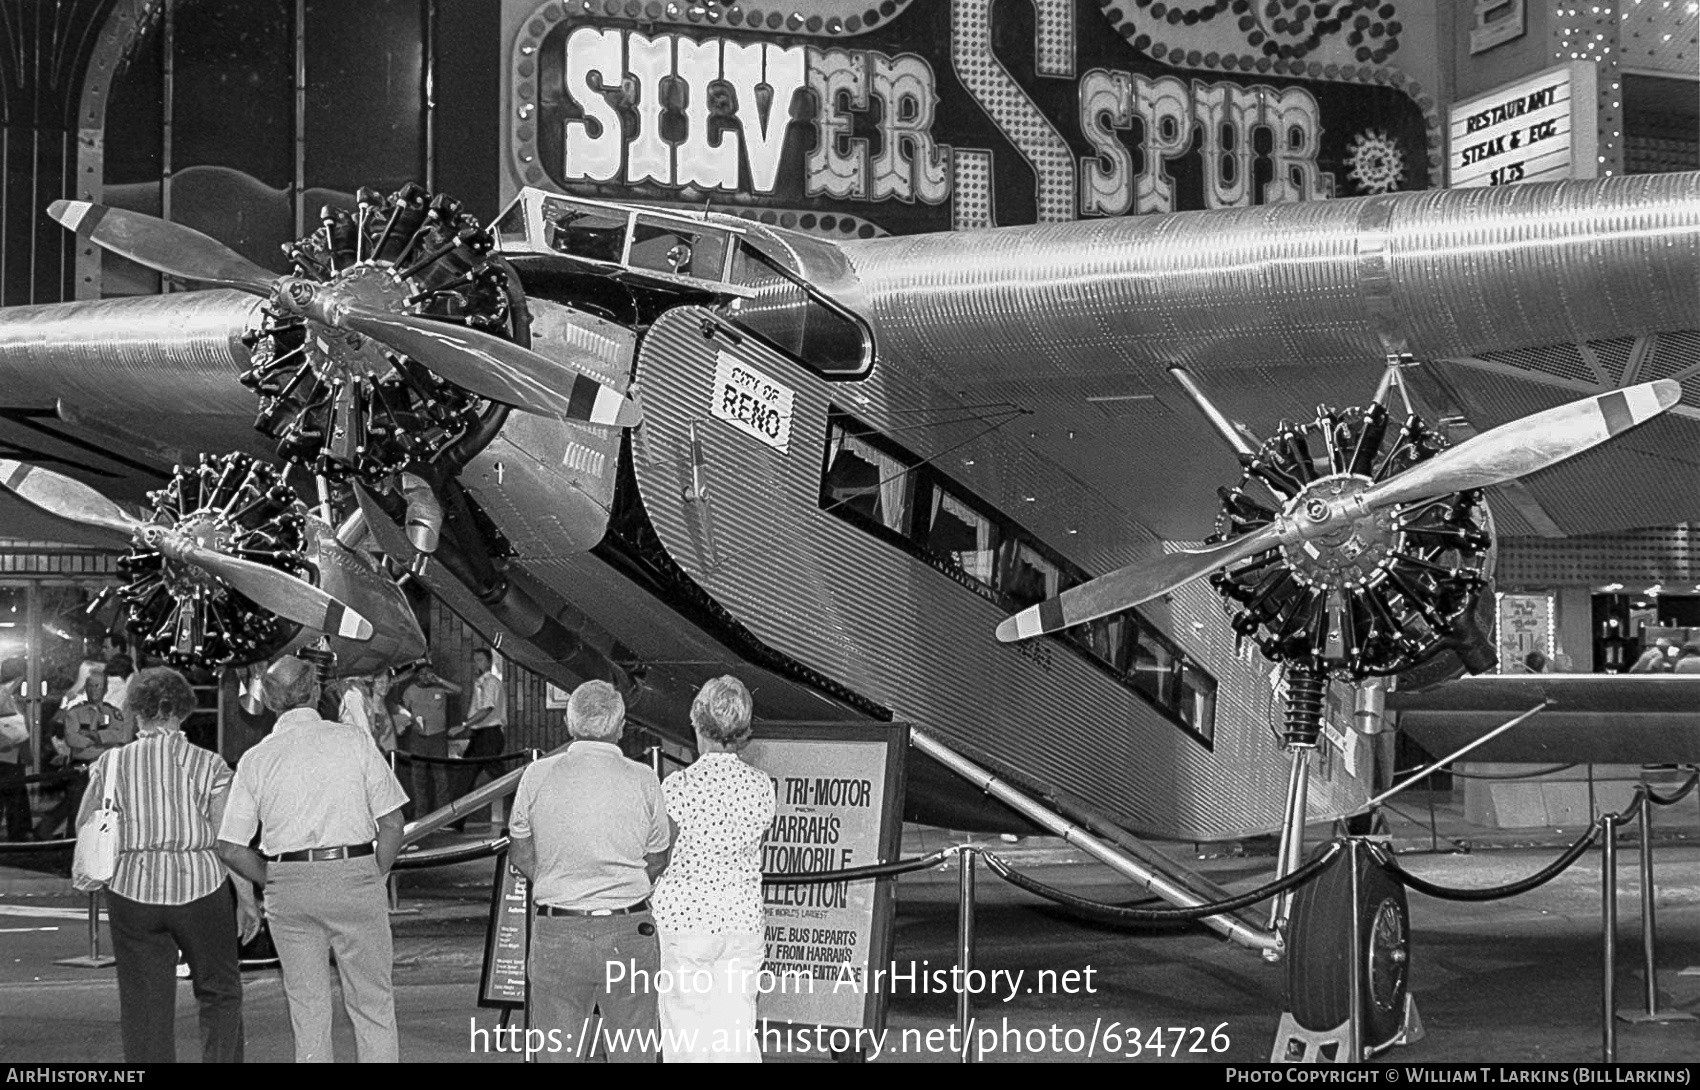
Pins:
x,y
1593,718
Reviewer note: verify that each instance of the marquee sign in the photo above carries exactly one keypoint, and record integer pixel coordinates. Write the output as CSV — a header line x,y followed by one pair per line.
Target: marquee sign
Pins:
x,y
1540,129
946,114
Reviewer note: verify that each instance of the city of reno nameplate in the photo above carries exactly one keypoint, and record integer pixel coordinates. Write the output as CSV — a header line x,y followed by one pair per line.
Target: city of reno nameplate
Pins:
x,y
751,402
840,805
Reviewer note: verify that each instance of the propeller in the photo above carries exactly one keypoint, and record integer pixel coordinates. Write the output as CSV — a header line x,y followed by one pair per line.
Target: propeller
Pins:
x,y
476,361
1500,454
268,588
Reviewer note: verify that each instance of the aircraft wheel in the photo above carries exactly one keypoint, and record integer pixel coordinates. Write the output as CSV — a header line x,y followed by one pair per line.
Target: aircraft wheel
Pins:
x,y
1319,935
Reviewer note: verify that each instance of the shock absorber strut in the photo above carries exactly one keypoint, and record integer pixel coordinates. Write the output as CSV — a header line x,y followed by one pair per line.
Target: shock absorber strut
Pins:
x,y
1307,688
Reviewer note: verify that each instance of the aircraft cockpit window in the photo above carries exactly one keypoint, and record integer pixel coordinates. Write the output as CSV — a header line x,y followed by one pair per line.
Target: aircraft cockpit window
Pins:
x,y
876,484
867,481
675,248
511,226
797,318
585,231
962,534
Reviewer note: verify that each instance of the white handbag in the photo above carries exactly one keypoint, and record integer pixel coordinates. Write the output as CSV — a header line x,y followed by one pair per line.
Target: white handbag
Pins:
x,y
96,858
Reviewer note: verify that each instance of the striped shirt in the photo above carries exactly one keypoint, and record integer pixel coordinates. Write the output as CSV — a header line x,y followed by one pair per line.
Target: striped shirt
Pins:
x,y
165,789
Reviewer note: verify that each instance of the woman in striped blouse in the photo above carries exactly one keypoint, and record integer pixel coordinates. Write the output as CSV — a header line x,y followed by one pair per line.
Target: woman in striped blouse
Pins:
x,y
169,891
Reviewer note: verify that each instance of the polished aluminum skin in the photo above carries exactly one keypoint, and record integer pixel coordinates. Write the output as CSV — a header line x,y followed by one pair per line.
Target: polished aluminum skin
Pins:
x,y
1437,274
176,353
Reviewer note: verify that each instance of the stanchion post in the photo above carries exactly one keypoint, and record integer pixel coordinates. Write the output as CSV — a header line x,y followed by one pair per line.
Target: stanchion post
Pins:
x,y
965,860
94,959
1649,960
1649,931
1355,963
395,878
1608,939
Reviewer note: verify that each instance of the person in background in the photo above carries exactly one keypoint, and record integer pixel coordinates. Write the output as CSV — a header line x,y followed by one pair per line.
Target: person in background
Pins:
x,y
330,810
486,721
709,904
14,754
590,832
1654,660
380,712
353,703
1688,662
425,699
119,667
92,727
170,891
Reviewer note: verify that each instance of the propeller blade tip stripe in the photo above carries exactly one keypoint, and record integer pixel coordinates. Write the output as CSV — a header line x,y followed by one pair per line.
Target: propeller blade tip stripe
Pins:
x,y
1028,623
344,622
1625,408
581,400
76,215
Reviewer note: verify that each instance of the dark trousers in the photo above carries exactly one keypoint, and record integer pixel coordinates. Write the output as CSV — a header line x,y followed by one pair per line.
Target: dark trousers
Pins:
x,y
430,779
64,811
145,939
484,743
15,800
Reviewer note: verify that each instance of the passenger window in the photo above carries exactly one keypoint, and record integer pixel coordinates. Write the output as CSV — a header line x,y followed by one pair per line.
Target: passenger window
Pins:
x,y
1029,578
863,479
963,535
1153,670
1198,700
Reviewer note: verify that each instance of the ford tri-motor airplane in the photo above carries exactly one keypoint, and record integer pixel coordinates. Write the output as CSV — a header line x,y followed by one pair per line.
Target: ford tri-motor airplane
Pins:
x,y
969,481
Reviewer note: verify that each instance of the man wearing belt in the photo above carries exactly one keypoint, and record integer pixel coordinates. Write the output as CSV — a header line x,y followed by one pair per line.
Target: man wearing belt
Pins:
x,y
590,831
322,794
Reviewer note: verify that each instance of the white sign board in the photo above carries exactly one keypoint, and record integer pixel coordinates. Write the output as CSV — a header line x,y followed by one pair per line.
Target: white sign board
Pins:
x,y
821,938
1524,622
1540,129
752,402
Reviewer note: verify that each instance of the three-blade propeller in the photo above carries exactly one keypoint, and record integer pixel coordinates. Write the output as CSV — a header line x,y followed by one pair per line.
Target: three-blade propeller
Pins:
x,y
476,361
1495,456
270,589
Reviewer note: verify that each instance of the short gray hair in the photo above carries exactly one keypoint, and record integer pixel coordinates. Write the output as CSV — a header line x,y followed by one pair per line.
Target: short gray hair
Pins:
x,y
596,712
289,683
721,711
158,695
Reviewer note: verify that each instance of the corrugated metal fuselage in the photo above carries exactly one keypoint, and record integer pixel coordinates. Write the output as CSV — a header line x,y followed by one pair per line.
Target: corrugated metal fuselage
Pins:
x,y
743,521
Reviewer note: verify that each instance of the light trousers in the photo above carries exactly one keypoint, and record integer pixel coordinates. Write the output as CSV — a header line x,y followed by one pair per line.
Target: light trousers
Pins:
x,y
338,905
708,1008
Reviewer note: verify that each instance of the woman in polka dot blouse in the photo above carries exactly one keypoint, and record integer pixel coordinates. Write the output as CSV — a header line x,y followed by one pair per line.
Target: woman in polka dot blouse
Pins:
x,y
708,906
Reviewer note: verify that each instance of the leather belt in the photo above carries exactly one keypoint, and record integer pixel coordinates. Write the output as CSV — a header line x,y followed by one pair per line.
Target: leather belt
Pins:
x,y
322,855
556,910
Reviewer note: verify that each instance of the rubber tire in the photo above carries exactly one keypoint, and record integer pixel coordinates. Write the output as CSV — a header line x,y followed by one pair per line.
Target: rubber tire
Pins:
x,y
1318,934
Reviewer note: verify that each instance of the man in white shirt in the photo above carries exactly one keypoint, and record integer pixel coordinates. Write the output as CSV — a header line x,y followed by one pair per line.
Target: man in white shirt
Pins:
x,y
590,831
330,809
487,721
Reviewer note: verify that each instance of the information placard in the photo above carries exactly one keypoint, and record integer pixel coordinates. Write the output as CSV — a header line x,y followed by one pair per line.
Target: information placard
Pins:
x,y
506,938
840,793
